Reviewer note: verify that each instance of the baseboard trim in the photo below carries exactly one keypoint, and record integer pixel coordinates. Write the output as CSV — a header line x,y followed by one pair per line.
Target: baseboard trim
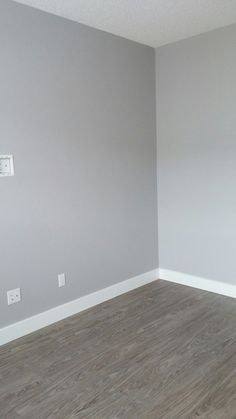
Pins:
x,y
205,284
31,324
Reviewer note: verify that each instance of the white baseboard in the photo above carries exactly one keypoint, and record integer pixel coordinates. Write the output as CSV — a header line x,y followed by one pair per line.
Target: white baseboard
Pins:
x,y
34,323
31,324
197,282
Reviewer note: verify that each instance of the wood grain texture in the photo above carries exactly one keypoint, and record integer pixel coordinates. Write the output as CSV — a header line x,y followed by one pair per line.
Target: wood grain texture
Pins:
x,y
163,351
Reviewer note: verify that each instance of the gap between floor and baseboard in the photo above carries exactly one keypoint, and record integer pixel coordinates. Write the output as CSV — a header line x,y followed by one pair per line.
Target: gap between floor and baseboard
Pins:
x,y
38,321
46,318
205,284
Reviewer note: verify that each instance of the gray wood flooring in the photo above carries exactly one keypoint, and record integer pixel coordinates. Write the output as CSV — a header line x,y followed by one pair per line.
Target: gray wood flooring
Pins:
x,y
163,351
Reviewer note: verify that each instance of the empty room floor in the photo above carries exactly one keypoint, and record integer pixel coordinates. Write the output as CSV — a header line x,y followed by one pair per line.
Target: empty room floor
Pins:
x,y
161,351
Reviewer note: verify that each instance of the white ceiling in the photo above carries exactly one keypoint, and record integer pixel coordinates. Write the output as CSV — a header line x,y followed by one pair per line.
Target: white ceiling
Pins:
x,y
151,22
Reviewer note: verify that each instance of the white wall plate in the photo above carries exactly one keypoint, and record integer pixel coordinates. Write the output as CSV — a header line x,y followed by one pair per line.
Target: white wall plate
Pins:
x,y
6,165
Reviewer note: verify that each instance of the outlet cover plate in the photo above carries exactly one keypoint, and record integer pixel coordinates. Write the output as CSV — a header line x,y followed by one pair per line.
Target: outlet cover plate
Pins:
x,y
6,166
61,280
13,296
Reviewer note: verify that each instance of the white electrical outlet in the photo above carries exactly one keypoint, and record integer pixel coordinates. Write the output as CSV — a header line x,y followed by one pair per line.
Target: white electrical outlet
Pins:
x,y
13,296
61,280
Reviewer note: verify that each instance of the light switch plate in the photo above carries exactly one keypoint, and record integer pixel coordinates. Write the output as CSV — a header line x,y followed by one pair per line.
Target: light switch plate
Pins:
x,y
6,165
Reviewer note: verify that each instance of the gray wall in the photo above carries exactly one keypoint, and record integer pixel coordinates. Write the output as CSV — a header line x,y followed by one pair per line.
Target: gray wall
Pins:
x,y
196,107
77,110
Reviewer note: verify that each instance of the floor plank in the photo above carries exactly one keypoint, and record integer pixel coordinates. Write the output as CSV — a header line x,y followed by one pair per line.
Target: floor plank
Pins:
x,y
163,351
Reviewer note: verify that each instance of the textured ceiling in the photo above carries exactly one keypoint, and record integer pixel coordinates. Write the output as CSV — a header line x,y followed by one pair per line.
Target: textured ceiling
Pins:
x,y
151,22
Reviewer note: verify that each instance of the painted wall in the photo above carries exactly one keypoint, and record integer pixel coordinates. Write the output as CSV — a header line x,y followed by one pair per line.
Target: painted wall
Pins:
x,y
77,110
196,107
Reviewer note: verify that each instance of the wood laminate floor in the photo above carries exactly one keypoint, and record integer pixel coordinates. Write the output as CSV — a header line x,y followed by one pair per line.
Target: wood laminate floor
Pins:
x,y
163,351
